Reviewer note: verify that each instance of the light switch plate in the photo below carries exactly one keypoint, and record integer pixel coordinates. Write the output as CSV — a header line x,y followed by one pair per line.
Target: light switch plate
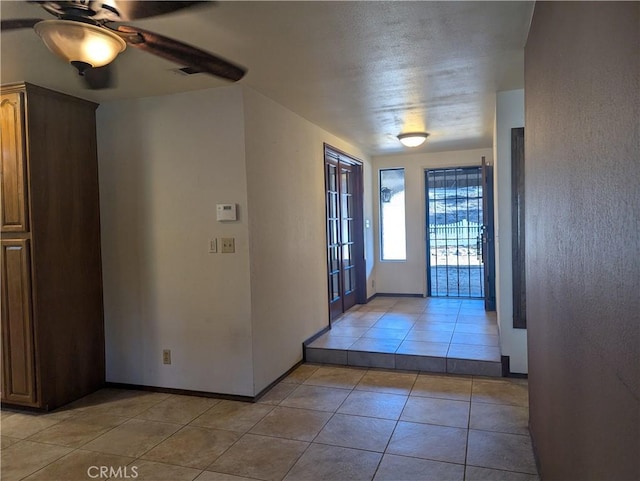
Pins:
x,y
213,245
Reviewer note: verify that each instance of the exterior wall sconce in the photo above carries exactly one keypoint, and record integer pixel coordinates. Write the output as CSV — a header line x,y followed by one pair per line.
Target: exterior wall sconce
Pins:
x,y
413,139
385,194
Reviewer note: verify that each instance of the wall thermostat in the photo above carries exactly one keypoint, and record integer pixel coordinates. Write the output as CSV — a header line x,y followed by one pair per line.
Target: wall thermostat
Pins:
x,y
225,212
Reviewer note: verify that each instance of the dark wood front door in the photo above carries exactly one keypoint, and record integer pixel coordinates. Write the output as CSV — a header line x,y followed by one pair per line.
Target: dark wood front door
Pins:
x,y
345,239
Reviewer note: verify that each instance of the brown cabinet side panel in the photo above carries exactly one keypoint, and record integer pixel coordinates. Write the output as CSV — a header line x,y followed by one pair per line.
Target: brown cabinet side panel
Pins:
x,y
65,232
13,210
18,383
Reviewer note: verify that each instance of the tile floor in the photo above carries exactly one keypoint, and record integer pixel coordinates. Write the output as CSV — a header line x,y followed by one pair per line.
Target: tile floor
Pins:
x,y
320,423
427,334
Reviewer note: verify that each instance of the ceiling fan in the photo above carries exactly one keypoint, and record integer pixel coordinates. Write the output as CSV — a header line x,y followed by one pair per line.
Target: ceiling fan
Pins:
x,y
82,36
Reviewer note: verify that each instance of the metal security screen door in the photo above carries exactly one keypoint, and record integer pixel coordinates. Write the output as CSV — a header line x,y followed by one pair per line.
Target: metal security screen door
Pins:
x,y
454,223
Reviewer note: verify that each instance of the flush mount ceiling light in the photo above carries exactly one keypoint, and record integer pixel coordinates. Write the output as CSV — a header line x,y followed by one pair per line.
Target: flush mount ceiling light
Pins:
x,y
413,139
81,44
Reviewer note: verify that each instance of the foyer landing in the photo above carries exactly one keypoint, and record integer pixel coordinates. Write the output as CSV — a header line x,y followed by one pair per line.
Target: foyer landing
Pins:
x,y
418,334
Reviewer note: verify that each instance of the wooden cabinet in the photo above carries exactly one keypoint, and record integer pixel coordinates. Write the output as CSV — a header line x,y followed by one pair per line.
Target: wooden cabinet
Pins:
x,y
14,209
51,305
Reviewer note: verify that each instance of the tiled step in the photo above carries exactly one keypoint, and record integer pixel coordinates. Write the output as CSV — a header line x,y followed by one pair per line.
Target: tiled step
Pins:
x,y
408,362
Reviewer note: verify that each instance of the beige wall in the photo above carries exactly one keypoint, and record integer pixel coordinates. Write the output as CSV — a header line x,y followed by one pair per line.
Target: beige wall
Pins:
x,y
409,277
164,164
234,322
509,114
582,178
285,179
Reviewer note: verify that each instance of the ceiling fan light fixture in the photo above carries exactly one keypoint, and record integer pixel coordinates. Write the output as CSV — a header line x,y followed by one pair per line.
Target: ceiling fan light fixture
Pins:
x,y
413,139
80,42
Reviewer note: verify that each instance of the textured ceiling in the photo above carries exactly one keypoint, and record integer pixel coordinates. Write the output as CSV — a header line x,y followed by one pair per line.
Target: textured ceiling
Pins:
x,y
365,71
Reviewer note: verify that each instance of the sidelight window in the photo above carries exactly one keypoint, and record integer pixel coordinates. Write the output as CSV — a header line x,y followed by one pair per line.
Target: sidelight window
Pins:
x,y
393,242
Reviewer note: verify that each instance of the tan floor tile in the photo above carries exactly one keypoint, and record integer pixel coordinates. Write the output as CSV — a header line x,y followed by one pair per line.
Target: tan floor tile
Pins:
x,y
394,468
6,441
376,333
301,373
316,397
474,473
211,476
387,382
128,404
361,321
427,441
233,416
329,463
342,330
439,316
103,396
77,430
509,452
470,338
133,438
152,471
435,326
478,317
193,447
490,329
337,377
500,418
444,412
443,387
27,457
357,432
374,404
260,457
178,409
382,301
500,392
409,309
278,393
292,423
22,426
83,466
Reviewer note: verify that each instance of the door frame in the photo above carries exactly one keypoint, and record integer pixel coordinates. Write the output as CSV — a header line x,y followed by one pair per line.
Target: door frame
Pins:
x,y
488,236
338,156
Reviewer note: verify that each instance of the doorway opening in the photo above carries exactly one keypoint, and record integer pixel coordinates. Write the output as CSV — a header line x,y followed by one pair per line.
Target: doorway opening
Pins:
x,y
455,215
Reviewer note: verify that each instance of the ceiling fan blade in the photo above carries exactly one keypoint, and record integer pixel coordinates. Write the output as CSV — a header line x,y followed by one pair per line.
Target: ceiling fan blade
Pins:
x,y
97,78
181,53
17,23
133,10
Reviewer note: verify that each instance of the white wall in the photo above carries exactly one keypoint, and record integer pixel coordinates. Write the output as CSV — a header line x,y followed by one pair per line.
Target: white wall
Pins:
x,y
287,229
409,277
234,322
509,114
164,164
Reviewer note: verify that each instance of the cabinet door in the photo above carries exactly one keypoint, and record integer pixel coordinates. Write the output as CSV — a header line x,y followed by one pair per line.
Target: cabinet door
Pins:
x,y
13,211
18,383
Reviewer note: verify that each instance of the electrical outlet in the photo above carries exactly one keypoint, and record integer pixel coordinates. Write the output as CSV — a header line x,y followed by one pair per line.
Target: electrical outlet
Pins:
x,y
228,245
166,356
213,245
